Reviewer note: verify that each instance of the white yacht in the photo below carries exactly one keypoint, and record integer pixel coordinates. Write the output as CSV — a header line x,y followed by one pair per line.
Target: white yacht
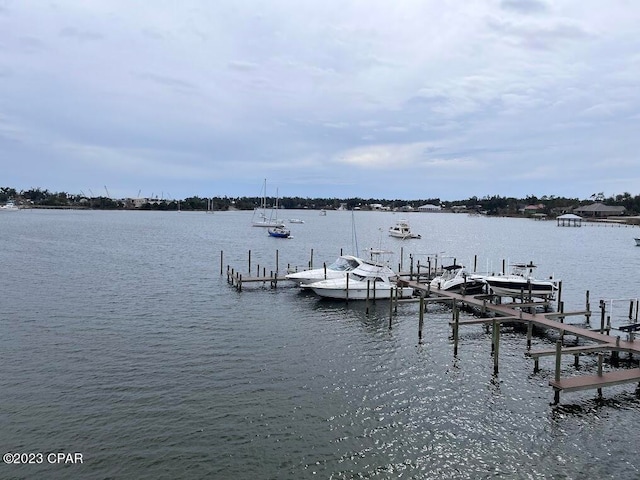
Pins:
x,y
338,269
521,281
455,278
402,230
372,279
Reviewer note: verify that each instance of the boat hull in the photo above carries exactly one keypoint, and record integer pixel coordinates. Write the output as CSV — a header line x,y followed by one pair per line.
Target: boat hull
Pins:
x,y
514,288
471,287
377,292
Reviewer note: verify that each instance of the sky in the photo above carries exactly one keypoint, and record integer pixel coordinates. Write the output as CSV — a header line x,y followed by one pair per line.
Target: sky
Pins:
x,y
380,99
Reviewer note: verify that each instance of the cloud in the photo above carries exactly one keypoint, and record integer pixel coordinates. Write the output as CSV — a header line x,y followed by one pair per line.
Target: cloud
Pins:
x,y
80,35
525,6
401,157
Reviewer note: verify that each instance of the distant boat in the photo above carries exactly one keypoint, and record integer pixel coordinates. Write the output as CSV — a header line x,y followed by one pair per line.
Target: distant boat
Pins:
x,y
323,212
402,230
638,242
295,220
261,211
9,207
279,231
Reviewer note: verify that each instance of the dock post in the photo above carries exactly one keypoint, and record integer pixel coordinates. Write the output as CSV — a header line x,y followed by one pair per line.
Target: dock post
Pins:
x,y
391,306
395,306
401,258
600,356
475,263
249,262
411,267
421,318
587,316
277,261
602,308
496,341
529,334
311,259
454,306
374,291
456,326
324,265
346,293
556,399
630,310
366,309
560,295
221,261
239,282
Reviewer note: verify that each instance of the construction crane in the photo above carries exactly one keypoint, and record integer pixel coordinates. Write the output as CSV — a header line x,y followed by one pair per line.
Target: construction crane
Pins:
x,y
92,195
105,189
139,192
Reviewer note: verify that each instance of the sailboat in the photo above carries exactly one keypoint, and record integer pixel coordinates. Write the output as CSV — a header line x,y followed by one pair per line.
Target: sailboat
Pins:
x,y
261,212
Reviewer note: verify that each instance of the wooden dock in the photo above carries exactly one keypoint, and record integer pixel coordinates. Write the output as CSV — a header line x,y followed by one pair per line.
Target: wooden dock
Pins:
x,y
526,313
493,313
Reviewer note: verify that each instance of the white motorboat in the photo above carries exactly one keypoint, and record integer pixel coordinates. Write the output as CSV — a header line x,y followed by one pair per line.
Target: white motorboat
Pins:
x,y
338,269
521,282
402,230
295,220
369,279
9,207
455,278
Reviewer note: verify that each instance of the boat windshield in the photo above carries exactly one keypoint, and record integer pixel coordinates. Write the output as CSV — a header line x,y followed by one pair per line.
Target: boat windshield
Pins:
x,y
363,278
343,265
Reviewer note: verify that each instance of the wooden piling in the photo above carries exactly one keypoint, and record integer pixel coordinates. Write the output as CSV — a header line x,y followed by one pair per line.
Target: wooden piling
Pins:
x,y
221,261
421,318
456,327
496,341
556,399
367,299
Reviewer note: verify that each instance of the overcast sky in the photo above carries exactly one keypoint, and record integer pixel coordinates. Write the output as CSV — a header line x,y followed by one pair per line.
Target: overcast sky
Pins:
x,y
324,98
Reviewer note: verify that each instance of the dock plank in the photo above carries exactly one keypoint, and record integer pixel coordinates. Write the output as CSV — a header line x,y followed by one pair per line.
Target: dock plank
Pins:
x,y
586,382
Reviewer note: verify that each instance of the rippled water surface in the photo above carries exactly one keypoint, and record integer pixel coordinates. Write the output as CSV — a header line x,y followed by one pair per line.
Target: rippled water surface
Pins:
x,y
122,340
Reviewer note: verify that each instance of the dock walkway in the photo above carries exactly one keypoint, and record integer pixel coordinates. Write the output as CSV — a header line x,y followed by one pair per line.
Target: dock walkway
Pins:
x,y
515,313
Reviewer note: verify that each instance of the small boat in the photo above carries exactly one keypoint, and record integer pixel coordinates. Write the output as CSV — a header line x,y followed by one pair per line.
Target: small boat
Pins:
x,y
638,242
323,212
338,269
402,230
295,220
370,279
455,278
279,232
521,281
9,207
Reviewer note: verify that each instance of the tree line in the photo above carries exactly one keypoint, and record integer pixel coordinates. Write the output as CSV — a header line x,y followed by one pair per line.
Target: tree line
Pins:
x,y
490,204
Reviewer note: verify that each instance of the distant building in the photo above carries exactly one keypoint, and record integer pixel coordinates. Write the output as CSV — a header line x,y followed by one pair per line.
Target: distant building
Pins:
x,y
599,209
569,220
429,208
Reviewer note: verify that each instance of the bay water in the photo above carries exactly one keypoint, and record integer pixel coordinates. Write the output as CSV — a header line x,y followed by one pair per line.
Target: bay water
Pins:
x,y
121,340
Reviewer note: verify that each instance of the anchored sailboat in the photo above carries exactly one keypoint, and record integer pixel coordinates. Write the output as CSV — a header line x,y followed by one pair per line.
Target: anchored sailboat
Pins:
x,y
261,212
